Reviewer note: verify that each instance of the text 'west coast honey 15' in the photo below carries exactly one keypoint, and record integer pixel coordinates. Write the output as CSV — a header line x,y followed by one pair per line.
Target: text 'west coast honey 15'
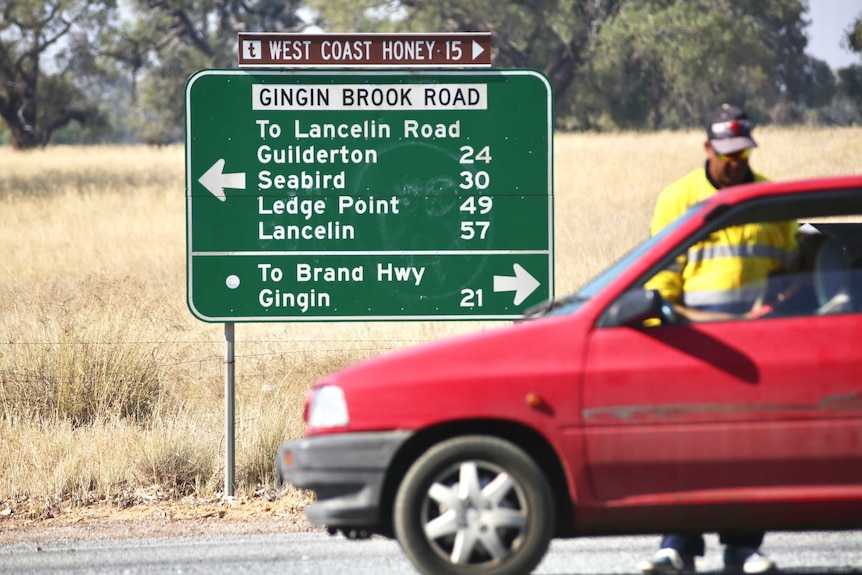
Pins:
x,y
280,50
316,195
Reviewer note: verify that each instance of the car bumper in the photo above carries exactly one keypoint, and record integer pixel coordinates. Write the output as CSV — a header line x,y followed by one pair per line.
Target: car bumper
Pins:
x,y
345,471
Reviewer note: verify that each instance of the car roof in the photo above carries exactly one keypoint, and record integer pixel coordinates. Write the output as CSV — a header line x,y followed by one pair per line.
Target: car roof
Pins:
x,y
744,192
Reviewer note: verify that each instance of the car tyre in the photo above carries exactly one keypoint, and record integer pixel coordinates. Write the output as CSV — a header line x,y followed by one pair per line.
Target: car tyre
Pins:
x,y
474,504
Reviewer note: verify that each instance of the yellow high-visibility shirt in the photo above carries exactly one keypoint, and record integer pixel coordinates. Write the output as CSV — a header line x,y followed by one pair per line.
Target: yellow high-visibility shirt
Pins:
x,y
728,270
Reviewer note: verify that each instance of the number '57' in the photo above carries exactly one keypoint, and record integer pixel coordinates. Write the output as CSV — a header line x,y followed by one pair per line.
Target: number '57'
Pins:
x,y
468,230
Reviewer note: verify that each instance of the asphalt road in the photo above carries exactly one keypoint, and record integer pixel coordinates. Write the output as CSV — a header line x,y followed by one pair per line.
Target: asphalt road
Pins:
x,y
317,553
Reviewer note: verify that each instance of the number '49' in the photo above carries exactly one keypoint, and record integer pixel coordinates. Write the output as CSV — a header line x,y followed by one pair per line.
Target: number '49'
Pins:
x,y
483,204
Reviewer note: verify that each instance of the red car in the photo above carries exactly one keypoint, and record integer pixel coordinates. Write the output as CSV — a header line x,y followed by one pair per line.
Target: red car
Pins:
x,y
605,412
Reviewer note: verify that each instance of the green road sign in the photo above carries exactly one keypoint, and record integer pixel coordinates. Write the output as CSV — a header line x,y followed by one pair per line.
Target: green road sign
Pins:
x,y
351,195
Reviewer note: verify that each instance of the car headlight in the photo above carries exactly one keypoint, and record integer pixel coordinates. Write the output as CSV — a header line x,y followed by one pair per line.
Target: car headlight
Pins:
x,y
328,408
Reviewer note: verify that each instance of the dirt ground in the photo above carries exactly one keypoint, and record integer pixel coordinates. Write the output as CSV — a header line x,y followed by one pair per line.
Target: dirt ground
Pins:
x,y
181,518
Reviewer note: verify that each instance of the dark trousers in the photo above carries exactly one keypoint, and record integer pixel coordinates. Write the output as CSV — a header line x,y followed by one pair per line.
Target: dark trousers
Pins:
x,y
693,544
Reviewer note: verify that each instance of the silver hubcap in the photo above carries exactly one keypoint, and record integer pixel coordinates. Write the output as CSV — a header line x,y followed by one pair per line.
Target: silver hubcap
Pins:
x,y
475,513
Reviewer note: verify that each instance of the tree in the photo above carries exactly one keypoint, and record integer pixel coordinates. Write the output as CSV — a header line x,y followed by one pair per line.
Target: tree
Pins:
x,y
850,85
613,63
853,35
38,99
627,63
664,63
554,36
850,78
169,39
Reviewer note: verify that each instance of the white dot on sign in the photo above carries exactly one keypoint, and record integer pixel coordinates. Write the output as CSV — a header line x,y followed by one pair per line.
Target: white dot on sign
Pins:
x,y
232,282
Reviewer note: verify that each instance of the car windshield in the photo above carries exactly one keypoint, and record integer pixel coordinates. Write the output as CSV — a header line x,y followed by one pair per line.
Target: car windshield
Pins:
x,y
572,302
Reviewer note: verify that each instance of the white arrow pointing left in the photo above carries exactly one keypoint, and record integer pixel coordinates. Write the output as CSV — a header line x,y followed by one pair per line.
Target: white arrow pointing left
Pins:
x,y
215,180
523,284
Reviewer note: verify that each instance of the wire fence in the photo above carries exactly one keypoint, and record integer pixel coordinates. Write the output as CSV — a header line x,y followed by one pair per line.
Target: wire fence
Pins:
x,y
360,348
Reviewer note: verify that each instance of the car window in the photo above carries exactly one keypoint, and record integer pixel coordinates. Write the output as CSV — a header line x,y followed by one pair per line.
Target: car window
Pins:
x,y
746,269
570,303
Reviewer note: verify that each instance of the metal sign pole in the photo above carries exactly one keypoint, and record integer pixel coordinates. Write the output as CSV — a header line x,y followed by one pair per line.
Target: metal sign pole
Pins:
x,y
229,408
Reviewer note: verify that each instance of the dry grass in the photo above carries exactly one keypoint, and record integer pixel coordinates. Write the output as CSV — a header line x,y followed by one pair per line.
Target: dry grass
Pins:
x,y
109,386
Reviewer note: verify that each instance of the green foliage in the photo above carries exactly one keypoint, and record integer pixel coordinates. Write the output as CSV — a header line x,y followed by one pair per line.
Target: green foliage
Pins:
x,y
38,94
663,64
158,116
167,40
553,36
614,64
365,16
853,35
851,85
630,64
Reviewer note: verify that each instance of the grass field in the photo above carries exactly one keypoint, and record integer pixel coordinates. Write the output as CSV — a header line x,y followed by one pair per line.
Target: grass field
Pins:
x,y
109,386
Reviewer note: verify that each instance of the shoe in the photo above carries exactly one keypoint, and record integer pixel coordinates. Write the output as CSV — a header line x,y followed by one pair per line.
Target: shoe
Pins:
x,y
746,560
668,561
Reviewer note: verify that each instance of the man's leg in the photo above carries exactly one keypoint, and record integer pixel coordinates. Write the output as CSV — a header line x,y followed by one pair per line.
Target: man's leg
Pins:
x,y
691,544
675,555
742,553
750,540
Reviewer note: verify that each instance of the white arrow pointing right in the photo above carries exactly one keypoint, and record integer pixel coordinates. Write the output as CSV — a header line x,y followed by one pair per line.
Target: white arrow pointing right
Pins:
x,y
523,284
477,49
215,180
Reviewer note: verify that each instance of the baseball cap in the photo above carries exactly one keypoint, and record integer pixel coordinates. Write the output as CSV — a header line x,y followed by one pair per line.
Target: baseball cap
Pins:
x,y
728,130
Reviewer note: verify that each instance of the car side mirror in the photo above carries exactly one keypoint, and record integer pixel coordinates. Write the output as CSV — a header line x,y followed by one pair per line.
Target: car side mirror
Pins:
x,y
635,307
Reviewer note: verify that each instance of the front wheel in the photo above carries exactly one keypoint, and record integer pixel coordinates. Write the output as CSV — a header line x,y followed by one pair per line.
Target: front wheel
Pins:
x,y
474,504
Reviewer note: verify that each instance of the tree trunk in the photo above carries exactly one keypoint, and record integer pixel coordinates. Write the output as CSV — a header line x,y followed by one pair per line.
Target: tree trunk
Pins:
x,y
24,139
19,112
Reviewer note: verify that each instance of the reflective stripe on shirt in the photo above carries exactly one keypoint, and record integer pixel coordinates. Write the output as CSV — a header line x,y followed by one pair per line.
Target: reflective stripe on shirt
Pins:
x,y
730,300
699,252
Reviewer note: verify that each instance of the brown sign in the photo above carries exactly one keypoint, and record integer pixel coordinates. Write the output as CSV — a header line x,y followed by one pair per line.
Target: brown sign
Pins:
x,y
278,50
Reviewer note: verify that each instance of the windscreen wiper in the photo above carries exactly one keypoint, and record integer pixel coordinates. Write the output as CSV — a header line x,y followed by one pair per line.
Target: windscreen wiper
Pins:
x,y
546,306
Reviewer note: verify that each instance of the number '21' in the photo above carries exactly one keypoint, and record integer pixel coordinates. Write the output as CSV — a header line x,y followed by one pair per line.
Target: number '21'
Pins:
x,y
471,297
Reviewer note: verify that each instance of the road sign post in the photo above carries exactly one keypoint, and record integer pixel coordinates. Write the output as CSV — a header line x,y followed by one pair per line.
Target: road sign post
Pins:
x,y
368,195
340,195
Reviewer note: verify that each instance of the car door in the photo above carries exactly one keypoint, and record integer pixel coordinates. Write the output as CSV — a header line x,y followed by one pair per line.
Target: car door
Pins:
x,y
724,411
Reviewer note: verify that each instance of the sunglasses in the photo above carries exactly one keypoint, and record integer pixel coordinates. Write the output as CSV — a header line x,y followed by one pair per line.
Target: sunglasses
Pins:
x,y
735,157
